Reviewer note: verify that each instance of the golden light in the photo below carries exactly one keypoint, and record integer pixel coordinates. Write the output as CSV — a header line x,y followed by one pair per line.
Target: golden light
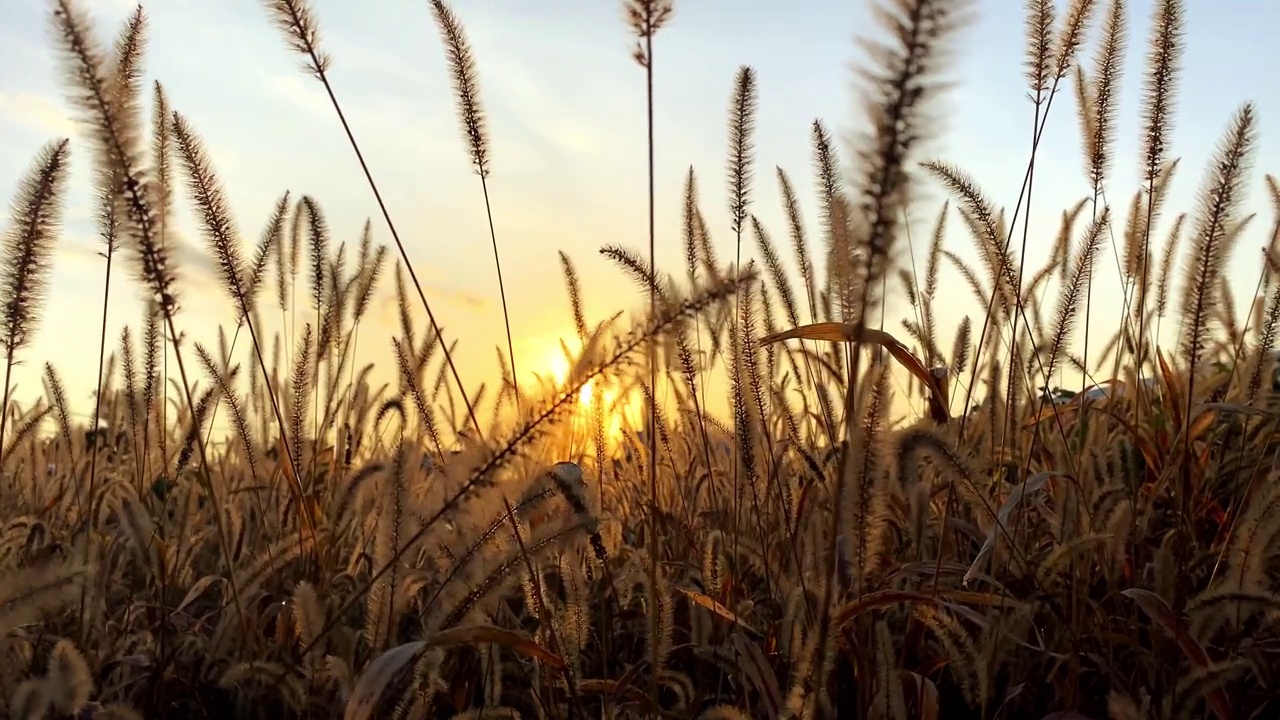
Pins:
x,y
556,368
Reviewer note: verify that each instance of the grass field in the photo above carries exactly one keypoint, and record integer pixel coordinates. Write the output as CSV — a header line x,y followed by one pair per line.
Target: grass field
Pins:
x,y
1014,546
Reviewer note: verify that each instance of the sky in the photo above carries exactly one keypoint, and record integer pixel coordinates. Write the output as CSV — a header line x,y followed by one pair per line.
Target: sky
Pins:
x,y
565,104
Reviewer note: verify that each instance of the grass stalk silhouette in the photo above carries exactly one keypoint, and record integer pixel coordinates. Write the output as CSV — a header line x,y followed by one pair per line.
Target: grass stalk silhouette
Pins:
x,y
296,20
645,18
780,559
466,89
27,257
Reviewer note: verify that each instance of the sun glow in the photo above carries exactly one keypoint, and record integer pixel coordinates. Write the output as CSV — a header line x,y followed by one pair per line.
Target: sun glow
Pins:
x,y
597,391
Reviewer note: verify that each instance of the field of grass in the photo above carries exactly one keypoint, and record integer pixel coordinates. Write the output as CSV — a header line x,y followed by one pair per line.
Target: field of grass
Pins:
x,y
420,550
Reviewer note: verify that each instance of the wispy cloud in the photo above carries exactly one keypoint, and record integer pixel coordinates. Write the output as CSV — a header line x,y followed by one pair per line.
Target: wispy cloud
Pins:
x,y
565,104
41,113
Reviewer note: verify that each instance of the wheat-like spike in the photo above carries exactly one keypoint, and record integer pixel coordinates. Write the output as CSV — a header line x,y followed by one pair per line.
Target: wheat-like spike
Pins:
x,y
161,162
466,85
138,527
215,215
960,348
689,226
1261,354
799,243
1271,264
902,83
1039,48
638,268
935,251
411,387
707,250
28,246
1194,686
1071,36
890,704
127,77
1106,79
1135,220
37,591
756,417
827,169
1062,245
1164,56
235,407
129,374
68,683
1252,546
574,288
1150,215
867,498
777,274
981,217
1220,198
317,250
295,19
367,283
301,386
58,399
402,308
1166,264
1159,93
1072,291
117,145
270,244
645,18
965,663
742,125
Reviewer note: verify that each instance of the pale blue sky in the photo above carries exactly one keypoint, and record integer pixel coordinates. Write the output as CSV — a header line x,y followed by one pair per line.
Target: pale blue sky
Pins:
x,y
565,106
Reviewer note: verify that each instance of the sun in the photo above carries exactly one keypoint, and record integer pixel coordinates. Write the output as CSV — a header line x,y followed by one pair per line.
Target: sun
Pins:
x,y
558,367
597,391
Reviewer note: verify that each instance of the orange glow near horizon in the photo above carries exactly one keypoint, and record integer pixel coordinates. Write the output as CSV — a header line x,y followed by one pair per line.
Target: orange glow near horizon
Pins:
x,y
597,390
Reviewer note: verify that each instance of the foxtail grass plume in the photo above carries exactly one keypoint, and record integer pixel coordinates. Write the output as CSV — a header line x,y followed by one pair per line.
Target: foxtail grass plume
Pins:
x,y
743,106
466,85
1159,92
211,205
902,82
298,23
34,223
115,135
645,18
466,91
1219,202
1039,47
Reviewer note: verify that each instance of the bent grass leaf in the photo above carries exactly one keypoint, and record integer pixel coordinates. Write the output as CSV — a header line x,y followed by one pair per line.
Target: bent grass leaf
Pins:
x,y
757,669
716,608
385,667
1159,611
889,598
1033,487
849,333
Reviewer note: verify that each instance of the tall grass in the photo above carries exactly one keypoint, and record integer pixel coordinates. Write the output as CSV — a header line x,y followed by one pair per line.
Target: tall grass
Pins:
x,y
372,551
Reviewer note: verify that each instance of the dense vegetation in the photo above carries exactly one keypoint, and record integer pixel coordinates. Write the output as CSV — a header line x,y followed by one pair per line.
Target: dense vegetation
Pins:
x,y
419,550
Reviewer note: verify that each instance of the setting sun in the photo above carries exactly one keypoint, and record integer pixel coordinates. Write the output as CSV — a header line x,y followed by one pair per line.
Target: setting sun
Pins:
x,y
556,367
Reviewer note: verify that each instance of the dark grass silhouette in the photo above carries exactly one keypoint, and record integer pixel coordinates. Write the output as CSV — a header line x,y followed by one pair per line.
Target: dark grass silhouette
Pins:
x,y
1026,551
